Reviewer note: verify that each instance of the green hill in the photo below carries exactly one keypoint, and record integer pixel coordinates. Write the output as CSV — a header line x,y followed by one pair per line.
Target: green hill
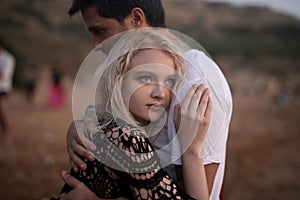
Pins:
x,y
41,32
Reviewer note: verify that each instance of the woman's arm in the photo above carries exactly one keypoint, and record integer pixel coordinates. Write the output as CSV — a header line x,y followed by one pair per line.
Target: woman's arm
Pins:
x,y
194,176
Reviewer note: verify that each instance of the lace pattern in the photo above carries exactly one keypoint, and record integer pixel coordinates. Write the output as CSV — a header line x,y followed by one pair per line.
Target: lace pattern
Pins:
x,y
127,165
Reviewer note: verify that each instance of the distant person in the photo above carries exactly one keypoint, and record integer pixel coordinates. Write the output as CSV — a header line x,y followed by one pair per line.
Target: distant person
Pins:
x,y
283,96
7,65
56,91
260,84
30,79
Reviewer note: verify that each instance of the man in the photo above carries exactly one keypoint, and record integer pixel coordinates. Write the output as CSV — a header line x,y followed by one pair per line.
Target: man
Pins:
x,y
7,65
105,18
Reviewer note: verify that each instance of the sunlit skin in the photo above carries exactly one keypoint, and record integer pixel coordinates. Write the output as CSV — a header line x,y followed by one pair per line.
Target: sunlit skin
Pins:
x,y
148,85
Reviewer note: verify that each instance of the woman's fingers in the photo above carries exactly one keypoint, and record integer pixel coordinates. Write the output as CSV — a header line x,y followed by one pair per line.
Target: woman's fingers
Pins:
x,y
208,112
192,117
205,111
177,116
194,104
186,101
203,102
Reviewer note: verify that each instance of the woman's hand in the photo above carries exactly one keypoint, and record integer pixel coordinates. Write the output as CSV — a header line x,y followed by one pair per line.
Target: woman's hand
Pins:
x,y
192,118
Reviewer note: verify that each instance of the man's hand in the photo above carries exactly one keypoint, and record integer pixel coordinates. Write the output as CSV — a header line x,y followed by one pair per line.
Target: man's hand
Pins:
x,y
76,143
79,192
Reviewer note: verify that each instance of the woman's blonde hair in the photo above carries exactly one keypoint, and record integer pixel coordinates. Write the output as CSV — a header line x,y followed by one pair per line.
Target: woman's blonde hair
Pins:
x,y
109,99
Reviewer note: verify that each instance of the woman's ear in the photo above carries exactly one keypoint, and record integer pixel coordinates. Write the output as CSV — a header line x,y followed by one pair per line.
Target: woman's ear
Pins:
x,y
138,18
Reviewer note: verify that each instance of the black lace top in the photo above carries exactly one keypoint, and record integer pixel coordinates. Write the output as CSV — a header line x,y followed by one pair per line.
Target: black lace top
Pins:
x,y
127,166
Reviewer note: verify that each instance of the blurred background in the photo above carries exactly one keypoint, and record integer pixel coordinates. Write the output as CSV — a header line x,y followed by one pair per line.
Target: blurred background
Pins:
x,y
255,43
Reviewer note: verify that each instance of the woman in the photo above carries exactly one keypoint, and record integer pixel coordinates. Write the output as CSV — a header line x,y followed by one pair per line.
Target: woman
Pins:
x,y
139,77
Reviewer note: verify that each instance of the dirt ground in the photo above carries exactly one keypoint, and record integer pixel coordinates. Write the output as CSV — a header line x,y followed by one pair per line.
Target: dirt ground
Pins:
x,y
262,159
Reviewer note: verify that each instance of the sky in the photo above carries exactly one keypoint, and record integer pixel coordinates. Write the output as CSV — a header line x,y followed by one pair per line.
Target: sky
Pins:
x,y
290,7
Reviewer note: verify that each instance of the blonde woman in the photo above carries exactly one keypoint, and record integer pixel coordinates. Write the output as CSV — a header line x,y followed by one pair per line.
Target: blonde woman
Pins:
x,y
137,82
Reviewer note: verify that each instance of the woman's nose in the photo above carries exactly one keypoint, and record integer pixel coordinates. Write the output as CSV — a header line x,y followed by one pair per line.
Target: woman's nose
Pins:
x,y
158,91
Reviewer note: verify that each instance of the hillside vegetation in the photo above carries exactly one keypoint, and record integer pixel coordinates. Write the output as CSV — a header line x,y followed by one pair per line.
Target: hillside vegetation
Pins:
x,y
238,37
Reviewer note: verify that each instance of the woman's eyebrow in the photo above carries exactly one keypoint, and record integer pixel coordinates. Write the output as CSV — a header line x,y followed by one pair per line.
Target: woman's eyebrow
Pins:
x,y
173,75
144,72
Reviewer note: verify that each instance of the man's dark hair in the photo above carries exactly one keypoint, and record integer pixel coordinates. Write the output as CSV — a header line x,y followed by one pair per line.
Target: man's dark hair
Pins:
x,y
120,9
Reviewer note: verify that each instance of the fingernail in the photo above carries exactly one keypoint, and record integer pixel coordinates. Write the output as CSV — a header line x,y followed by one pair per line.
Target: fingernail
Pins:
x,y
91,157
93,147
63,172
82,166
75,169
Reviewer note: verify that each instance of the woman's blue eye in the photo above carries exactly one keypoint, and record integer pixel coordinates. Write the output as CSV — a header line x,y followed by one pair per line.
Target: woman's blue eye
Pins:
x,y
171,82
145,79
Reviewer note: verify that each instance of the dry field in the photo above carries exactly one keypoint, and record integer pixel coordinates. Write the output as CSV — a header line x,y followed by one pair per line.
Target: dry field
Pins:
x,y
263,161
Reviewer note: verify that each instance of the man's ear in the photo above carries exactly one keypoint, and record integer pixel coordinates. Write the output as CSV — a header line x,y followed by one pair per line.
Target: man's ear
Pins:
x,y
138,18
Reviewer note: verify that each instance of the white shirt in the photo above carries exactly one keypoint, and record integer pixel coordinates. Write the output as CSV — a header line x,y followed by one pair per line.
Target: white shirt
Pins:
x,y
201,69
7,65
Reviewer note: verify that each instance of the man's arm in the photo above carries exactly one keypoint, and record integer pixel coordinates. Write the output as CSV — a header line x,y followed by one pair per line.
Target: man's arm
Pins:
x,y
210,171
79,192
76,145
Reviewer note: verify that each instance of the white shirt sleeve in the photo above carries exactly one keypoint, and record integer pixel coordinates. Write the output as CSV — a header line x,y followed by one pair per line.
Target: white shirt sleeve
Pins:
x,y
202,69
7,65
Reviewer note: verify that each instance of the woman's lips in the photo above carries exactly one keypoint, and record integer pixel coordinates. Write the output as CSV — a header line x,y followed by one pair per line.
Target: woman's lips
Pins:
x,y
156,107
